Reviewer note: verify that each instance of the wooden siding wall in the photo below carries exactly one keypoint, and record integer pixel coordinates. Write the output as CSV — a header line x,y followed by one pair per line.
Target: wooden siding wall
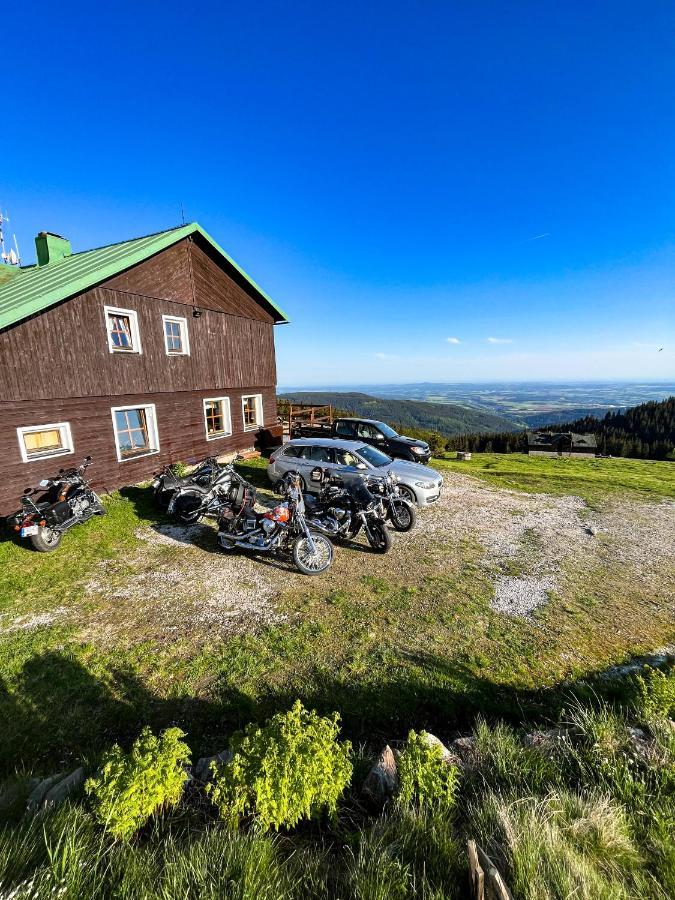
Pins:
x,y
180,425
57,367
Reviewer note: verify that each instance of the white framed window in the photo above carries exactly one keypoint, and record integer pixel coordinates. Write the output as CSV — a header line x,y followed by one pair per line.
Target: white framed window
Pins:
x,y
217,418
176,337
135,429
44,441
252,411
122,328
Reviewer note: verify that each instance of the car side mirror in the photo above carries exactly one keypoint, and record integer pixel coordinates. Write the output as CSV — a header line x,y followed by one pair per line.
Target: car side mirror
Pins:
x,y
28,491
88,459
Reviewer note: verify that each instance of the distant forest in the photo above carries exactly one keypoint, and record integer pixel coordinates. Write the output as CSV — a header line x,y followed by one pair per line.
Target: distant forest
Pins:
x,y
646,431
407,415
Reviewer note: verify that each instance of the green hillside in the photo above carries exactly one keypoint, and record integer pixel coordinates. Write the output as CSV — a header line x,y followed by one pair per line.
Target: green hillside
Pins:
x,y
445,418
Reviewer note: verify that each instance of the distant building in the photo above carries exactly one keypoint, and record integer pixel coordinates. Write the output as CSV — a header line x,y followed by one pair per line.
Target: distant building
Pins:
x,y
548,443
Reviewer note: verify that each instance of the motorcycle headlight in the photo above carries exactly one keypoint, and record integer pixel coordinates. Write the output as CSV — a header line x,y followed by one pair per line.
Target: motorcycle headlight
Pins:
x,y
427,485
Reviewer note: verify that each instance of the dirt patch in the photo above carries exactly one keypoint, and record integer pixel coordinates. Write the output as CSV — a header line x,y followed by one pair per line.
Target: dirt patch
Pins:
x,y
179,582
527,538
38,620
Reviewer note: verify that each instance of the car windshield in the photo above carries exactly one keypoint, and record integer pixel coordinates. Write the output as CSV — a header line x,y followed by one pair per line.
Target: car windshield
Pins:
x,y
374,456
386,430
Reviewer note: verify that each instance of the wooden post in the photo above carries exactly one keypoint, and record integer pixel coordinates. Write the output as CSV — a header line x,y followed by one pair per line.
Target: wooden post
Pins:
x,y
486,882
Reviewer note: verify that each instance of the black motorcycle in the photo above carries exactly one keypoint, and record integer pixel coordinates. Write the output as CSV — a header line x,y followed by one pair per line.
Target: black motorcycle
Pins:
x,y
167,482
342,509
53,507
398,510
283,528
203,495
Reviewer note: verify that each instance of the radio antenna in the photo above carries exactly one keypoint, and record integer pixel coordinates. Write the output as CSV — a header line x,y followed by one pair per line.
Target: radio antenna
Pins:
x,y
11,258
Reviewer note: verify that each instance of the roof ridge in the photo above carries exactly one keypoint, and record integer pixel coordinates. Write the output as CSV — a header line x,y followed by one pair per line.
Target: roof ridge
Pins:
x,y
40,287
131,240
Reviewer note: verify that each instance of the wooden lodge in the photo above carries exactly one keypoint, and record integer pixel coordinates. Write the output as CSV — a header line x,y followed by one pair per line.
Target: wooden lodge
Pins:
x,y
140,353
567,444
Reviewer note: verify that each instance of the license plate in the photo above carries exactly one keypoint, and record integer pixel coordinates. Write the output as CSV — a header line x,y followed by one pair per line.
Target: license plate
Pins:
x,y
27,530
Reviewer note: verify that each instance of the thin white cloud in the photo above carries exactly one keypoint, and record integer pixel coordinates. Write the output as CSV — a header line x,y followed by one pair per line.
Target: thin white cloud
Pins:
x,y
385,356
494,340
453,340
537,237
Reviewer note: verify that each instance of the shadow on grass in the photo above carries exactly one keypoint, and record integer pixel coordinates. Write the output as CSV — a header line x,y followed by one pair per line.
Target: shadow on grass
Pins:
x,y
60,712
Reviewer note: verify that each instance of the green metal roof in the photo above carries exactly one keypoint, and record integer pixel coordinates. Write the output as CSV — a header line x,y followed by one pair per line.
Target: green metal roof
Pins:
x,y
34,288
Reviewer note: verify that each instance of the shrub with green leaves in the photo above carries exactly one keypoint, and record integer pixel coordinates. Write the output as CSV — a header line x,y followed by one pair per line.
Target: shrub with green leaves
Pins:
x,y
293,768
655,694
424,777
132,786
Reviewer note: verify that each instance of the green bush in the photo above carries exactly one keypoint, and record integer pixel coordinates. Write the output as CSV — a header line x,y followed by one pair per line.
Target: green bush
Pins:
x,y
292,768
132,786
424,778
655,694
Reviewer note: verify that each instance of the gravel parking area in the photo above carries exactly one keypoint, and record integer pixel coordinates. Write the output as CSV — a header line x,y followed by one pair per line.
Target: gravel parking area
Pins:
x,y
180,582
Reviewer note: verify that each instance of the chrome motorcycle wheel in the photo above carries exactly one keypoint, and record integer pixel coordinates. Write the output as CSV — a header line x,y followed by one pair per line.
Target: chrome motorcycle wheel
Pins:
x,y
312,562
402,514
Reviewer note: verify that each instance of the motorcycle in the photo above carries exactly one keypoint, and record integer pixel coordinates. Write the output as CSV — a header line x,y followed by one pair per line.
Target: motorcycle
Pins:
x,y
166,483
191,503
57,504
341,509
283,528
398,510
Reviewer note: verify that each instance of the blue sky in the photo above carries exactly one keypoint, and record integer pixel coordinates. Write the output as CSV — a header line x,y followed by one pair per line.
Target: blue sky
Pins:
x,y
393,174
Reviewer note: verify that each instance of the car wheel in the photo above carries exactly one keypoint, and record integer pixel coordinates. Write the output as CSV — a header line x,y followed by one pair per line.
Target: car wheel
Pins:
x,y
408,493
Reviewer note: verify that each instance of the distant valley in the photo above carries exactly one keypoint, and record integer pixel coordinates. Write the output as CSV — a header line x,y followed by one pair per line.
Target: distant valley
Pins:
x,y
501,406
446,418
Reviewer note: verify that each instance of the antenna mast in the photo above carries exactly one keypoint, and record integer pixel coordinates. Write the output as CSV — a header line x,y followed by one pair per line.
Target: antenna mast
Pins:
x,y
11,257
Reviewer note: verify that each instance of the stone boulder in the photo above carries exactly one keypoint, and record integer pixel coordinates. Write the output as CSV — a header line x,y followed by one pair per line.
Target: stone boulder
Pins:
x,y
452,759
203,766
66,787
464,749
382,780
40,791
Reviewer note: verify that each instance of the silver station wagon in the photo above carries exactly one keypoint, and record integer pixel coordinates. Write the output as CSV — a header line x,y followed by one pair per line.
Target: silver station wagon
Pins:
x,y
418,483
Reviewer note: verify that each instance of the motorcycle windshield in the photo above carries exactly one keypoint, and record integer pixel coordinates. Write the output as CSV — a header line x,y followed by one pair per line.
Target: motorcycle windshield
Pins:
x,y
360,493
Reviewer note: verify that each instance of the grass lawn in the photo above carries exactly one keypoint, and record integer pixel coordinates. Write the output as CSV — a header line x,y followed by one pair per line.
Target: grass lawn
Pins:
x,y
391,642
592,479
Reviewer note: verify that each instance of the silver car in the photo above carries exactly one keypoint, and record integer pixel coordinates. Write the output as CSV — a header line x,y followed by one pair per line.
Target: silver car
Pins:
x,y
418,483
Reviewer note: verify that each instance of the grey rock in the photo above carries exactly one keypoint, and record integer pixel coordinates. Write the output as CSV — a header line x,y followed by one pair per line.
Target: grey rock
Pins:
x,y
546,740
465,750
591,529
203,766
64,788
40,791
382,780
448,757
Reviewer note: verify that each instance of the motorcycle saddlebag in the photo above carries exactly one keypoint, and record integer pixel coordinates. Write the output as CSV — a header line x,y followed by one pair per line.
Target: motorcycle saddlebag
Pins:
x,y
58,513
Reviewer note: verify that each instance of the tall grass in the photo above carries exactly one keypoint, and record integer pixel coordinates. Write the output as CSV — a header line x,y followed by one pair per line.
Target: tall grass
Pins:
x,y
584,815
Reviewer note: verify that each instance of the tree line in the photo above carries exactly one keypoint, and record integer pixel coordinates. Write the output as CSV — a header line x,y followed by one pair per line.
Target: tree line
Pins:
x,y
646,431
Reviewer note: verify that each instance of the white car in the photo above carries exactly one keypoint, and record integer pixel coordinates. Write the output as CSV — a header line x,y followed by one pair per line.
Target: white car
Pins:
x,y
420,484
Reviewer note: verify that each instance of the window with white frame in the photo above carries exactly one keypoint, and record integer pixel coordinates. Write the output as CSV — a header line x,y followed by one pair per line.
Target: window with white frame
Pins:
x,y
176,337
252,411
135,430
122,327
217,419
43,441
